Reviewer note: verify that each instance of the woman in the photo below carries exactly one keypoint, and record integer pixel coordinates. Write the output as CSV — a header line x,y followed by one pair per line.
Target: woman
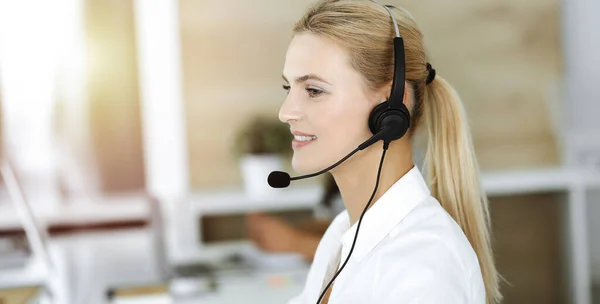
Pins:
x,y
423,239
276,236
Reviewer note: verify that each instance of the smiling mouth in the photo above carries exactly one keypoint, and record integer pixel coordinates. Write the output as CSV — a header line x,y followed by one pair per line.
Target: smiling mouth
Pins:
x,y
302,140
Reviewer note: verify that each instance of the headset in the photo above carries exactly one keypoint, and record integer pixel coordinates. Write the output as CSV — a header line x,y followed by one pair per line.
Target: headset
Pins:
x,y
388,121
393,112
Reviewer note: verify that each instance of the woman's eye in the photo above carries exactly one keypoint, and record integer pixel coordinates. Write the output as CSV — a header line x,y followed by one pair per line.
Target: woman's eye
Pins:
x,y
313,92
286,87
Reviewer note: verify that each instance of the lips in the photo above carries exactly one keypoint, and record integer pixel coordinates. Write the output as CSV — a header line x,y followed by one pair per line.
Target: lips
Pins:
x,y
302,139
301,133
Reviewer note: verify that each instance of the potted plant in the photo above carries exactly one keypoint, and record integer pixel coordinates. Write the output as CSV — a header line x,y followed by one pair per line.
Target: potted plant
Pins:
x,y
261,146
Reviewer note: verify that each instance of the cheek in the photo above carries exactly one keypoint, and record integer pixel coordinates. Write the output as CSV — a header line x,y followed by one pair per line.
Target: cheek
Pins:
x,y
352,122
340,127
344,129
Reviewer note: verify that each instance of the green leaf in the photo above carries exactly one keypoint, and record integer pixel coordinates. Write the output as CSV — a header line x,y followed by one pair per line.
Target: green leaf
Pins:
x,y
263,135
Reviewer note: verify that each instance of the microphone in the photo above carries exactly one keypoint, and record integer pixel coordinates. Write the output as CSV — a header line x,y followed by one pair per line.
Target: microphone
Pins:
x,y
278,179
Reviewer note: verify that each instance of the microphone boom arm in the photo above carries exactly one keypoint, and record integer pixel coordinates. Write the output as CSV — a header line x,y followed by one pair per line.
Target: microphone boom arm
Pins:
x,y
375,138
328,168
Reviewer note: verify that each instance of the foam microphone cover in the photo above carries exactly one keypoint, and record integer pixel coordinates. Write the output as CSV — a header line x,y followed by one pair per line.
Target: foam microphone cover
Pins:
x,y
278,179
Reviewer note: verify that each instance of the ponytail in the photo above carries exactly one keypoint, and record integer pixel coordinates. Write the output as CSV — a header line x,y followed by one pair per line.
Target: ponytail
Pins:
x,y
453,174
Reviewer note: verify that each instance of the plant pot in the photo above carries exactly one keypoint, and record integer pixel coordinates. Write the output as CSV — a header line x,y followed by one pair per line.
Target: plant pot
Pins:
x,y
255,169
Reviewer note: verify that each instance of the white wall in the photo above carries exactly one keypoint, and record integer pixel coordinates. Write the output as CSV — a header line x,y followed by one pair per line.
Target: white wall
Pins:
x,y
581,37
582,45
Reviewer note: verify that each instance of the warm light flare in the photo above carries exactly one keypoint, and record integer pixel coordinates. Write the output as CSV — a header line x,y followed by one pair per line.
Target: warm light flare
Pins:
x,y
41,61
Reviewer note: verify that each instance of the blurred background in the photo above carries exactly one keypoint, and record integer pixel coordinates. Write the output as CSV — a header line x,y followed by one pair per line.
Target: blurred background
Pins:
x,y
140,135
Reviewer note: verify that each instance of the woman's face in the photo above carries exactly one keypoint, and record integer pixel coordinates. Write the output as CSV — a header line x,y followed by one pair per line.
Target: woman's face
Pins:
x,y
326,105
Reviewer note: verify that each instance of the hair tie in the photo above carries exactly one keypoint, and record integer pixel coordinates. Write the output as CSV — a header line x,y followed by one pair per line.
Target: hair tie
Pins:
x,y
431,75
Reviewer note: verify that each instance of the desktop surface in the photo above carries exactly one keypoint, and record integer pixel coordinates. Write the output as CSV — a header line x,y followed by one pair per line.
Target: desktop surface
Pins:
x,y
240,287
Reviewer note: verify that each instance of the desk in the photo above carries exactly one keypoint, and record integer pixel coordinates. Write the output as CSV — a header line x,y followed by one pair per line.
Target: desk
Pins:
x,y
240,288
89,263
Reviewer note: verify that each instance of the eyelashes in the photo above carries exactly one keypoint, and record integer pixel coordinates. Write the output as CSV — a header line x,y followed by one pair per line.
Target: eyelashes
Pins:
x,y
312,92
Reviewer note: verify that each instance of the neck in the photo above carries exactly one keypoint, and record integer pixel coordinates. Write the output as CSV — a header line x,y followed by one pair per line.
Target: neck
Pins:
x,y
357,176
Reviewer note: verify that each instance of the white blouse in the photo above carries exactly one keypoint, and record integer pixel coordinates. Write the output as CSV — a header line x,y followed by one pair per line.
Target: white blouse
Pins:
x,y
409,250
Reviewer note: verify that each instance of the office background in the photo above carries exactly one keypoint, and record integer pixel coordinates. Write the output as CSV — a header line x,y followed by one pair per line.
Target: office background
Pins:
x,y
525,71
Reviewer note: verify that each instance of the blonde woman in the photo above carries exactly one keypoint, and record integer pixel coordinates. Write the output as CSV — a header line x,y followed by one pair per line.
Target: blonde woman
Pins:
x,y
423,239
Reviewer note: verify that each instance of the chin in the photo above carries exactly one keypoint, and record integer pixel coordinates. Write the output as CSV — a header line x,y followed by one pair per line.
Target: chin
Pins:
x,y
306,164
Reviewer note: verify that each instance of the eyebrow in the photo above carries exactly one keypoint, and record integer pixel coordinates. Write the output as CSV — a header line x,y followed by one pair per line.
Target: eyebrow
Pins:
x,y
307,77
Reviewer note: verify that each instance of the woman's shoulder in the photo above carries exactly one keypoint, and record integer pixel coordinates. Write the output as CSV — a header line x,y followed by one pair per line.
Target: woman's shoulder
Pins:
x,y
431,247
430,235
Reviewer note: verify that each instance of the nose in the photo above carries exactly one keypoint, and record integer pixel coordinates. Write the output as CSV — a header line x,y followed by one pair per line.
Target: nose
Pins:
x,y
290,110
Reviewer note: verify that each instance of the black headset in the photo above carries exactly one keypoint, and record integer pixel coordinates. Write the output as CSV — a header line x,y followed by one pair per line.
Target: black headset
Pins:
x,y
393,113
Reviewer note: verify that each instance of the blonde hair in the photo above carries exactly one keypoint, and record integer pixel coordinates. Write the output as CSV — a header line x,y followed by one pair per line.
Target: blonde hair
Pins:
x,y
365,29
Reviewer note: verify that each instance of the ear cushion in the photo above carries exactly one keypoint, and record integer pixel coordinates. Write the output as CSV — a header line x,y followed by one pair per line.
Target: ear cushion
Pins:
x,y
382,113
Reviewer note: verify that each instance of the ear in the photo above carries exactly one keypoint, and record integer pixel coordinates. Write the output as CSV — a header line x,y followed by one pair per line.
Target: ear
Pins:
x,y
385,91
383,94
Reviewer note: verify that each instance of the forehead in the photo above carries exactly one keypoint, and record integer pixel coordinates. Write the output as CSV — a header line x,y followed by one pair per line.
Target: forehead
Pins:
x,y
312,54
